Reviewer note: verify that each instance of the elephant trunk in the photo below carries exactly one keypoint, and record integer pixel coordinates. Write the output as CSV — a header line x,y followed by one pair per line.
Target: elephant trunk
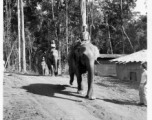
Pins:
x,y
55,66
90,93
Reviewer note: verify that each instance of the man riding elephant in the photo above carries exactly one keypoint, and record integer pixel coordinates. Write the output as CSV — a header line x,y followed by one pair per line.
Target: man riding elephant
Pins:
x,y
85,34
81,59
53,46
83,39
52,58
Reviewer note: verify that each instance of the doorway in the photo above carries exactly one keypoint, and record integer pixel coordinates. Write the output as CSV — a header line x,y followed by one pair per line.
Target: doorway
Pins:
x,y
133,76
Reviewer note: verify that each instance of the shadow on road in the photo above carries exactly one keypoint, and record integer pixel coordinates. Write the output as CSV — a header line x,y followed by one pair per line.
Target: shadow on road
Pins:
x,y
25,74
125,102
50,90
104,85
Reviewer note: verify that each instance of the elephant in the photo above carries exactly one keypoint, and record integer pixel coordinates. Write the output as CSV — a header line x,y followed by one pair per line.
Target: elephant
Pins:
x,y
52,60
81,59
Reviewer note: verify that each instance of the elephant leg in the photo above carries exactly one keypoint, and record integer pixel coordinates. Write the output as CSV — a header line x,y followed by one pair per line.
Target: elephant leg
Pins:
x,y
45,71
42,71
80,84
90,93
71,77
51,70
55,71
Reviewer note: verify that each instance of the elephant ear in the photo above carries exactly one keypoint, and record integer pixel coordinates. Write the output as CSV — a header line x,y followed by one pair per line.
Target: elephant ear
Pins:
x,y
96,52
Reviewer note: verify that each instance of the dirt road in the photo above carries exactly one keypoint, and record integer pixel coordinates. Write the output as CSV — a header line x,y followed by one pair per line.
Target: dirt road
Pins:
x,y
52,98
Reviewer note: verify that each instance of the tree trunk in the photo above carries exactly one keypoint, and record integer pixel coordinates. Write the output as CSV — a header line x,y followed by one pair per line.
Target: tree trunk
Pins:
x,y
91,12
8,58
123,45
123,30
59,42
109,36
83,12
23,37
67,33
7,29
19,35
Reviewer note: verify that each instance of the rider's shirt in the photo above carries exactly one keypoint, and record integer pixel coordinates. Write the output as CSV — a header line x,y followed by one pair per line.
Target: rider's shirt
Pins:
x,y
86,36
53,45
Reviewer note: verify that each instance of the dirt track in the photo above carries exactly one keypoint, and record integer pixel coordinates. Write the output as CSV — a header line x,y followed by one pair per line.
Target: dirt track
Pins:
x,y
52,98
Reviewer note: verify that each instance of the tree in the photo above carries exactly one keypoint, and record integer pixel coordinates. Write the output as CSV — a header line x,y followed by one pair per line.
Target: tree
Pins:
x,y
61,20
19,34
23,37
67,32
83,12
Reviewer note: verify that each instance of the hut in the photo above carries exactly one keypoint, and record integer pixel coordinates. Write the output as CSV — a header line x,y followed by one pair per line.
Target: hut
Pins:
x,y
106,68
128,67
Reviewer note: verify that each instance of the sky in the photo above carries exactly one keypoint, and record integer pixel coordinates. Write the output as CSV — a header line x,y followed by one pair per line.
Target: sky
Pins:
x,y
140,6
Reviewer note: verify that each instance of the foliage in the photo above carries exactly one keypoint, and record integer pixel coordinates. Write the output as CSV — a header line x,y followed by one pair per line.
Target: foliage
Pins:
x,y
45,21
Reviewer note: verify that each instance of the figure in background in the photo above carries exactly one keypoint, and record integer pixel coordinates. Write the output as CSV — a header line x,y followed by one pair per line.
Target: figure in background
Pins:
x,y
142,86
44,66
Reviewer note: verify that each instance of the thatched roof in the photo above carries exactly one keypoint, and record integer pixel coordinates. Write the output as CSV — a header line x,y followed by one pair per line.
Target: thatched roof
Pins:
x,y
140,56
110,55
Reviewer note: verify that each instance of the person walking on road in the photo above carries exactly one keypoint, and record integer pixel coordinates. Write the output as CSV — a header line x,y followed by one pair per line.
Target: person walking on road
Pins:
x,y
142,86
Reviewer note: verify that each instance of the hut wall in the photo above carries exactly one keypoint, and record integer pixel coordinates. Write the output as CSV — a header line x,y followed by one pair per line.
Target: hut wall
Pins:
x,y
129,71
105,70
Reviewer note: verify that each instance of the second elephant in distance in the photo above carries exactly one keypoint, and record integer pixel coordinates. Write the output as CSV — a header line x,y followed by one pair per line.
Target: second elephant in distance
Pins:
x,y
81,60
52,60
